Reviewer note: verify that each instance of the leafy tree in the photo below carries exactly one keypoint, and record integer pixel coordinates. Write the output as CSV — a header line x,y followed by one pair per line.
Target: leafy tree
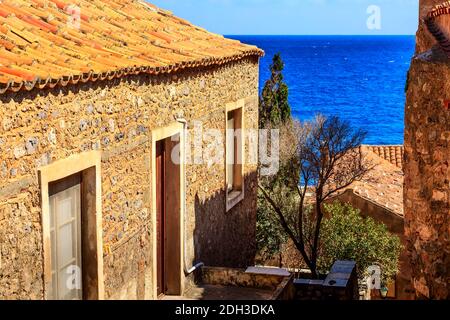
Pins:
x,y
317,160
274,106
346,235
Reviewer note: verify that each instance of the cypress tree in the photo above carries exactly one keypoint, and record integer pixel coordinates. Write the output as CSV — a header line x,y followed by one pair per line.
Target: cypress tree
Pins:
x,y
274,106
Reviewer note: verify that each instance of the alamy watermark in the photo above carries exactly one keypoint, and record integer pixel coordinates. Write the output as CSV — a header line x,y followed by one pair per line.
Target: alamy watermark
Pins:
x,y
374,19
209,147
373,280
74,19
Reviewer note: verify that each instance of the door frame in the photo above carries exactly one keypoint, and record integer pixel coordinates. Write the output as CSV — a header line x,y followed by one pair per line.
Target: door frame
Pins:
x,y
157,135
59,170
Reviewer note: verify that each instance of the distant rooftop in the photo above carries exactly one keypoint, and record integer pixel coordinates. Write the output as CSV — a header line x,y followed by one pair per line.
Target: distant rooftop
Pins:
x,y
384,184
393,154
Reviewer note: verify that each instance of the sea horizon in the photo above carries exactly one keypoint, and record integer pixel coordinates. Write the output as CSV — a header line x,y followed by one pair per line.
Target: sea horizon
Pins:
x,y
360,78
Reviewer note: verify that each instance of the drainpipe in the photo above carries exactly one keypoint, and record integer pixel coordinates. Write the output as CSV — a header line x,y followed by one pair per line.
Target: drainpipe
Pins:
x,y
200,264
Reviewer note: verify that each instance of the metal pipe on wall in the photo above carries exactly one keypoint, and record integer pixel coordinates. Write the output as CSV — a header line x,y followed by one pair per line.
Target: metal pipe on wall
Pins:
x,y
200,264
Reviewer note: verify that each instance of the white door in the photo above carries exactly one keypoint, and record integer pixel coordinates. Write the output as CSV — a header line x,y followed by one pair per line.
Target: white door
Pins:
x,y
65,210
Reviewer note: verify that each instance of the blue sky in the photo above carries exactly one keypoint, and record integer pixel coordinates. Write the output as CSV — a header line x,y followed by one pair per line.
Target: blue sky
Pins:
x,y
297,17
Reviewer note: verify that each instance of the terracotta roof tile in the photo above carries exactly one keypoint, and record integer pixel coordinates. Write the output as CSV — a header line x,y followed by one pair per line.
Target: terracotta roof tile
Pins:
x,y
384,184
437,22
42,43
393,154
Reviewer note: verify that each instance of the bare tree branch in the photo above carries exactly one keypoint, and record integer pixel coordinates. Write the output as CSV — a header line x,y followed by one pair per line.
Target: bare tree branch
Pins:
x,y
323,156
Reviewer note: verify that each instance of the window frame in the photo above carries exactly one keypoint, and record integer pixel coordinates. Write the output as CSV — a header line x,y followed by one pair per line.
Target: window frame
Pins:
x,y
56,171
235,195
159,134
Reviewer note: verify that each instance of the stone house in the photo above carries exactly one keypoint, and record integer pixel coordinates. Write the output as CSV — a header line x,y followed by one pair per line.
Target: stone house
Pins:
x,y
97,102
427,153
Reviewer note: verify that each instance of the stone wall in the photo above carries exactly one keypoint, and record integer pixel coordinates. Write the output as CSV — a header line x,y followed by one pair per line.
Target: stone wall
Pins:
x,y
339,285
427,174
281,285
44,126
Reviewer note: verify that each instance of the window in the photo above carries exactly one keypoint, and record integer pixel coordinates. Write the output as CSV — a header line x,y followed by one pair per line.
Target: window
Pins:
x,y
231,152
234,155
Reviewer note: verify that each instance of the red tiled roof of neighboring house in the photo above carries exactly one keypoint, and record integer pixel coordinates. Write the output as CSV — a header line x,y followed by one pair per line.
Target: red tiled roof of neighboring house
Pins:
x,y
383,185
439,10
436,29
393,154
44,43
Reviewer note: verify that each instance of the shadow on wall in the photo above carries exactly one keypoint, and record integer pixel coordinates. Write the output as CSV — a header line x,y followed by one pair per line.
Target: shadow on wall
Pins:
x,y
226,239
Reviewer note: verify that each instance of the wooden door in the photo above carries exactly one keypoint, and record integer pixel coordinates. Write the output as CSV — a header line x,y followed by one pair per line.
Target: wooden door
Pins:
x,y
161,216
65,232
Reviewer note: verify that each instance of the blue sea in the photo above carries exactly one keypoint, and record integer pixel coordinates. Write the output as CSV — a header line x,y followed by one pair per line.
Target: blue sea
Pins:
x,y
360,78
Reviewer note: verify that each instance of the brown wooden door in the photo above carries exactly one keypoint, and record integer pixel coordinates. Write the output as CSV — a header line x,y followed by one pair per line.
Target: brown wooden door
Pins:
x,y
160,216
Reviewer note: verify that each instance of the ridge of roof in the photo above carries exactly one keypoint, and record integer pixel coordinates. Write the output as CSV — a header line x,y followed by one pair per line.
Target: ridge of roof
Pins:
x,y
391,153
432,26
45,43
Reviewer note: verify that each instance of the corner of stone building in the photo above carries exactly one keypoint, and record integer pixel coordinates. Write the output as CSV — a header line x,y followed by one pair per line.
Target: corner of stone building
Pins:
x,y
426,165
424,39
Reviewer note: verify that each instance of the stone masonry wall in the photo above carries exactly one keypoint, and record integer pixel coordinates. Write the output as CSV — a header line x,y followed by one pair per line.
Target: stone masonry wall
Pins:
x,y
41,127
427,175
341,284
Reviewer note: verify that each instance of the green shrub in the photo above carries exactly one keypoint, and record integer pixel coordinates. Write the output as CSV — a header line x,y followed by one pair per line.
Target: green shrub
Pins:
x,y
346,235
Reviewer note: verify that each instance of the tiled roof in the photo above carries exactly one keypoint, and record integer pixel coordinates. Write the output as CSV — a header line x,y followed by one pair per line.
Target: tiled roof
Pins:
x,y
436,29
44,43
383,185
393,154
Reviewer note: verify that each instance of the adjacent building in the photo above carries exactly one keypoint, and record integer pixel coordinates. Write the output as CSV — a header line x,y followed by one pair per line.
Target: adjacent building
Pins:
x,y
106,188
427,154
379,195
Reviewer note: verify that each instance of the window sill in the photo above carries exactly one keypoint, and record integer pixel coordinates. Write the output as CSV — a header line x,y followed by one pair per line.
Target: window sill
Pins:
x,y
234,198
